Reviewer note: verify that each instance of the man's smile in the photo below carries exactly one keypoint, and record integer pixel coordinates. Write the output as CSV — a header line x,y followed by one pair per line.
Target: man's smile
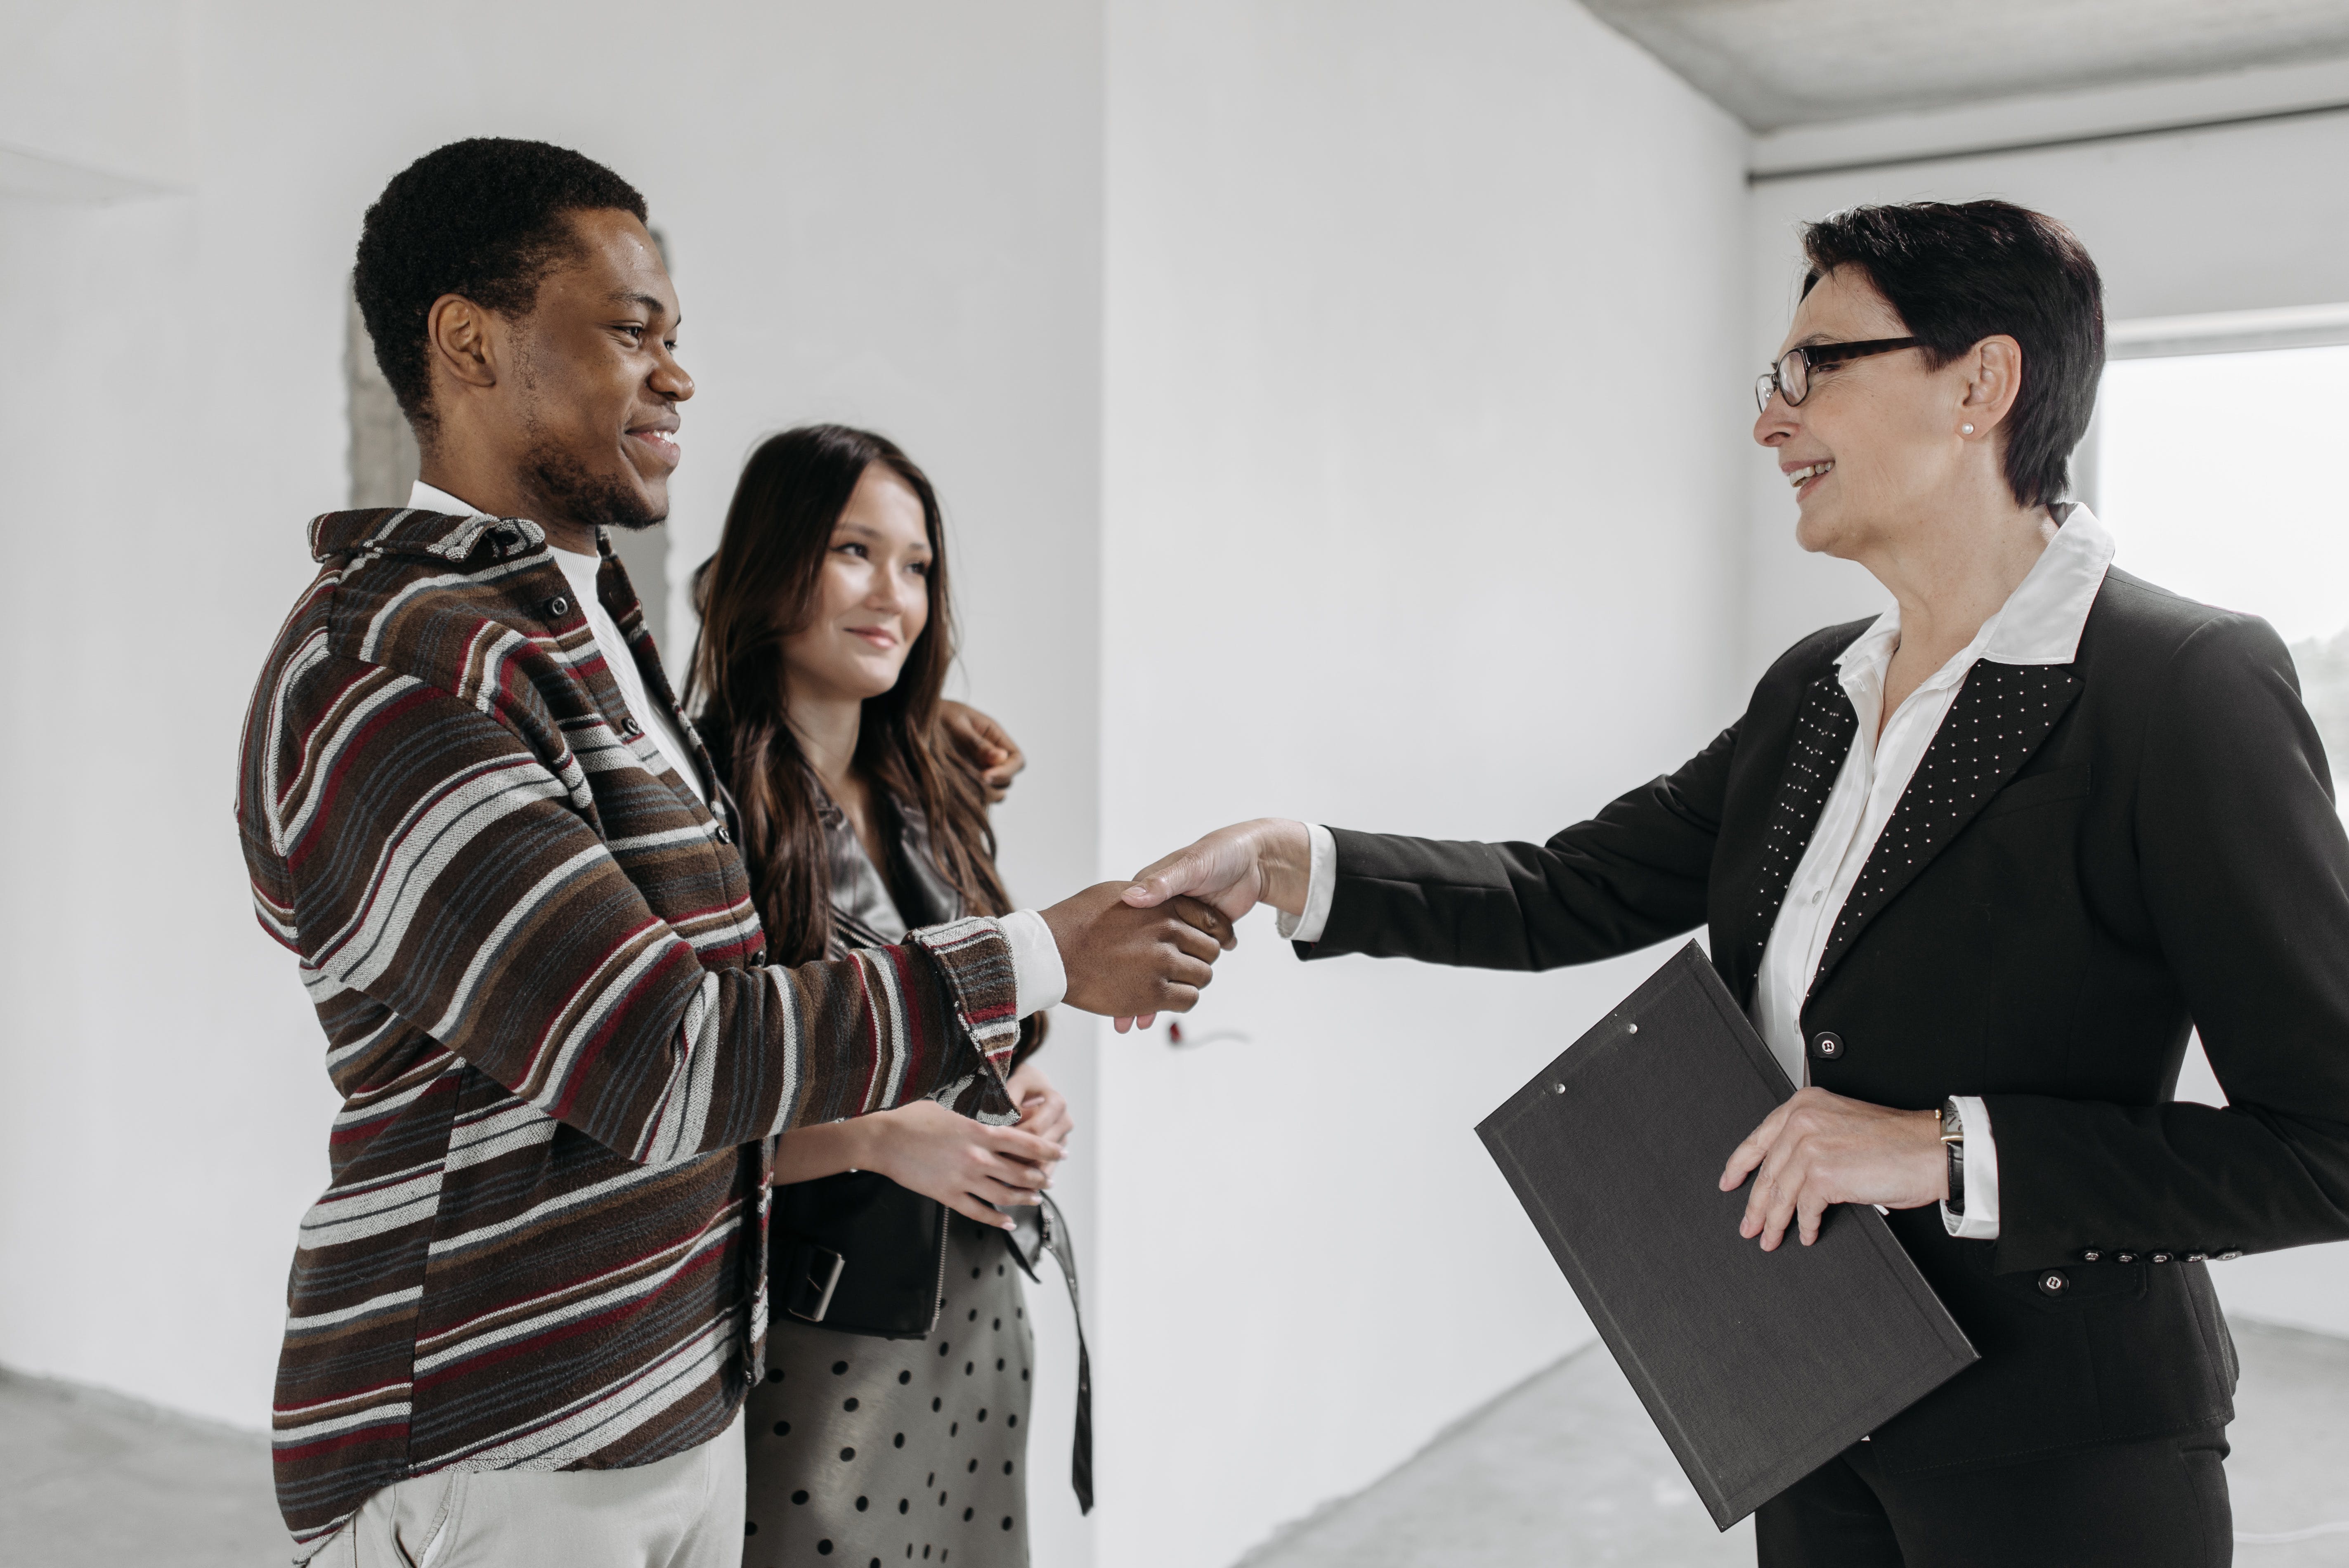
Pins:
x,y
660,439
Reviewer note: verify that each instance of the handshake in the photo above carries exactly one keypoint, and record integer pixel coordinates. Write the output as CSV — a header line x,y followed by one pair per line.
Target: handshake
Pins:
x,y
1135,949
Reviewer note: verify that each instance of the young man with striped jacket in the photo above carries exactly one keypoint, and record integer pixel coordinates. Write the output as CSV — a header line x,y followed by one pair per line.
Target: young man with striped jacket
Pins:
x,y
524,1316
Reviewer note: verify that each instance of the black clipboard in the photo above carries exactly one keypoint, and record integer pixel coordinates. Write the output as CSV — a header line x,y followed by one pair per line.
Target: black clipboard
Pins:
x,y
1758,1367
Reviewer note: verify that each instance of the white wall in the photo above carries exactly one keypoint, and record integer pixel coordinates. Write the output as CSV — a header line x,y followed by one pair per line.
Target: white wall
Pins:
x,y
888,213
162,1126
1424,386
2219,220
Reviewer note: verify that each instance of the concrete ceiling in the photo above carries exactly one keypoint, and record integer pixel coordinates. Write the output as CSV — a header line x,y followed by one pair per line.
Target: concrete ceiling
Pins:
x,y
1777,63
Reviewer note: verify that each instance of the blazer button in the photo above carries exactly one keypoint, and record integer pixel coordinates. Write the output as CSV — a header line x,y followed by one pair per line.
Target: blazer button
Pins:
x,y
2053,1283
2124,1257
2092,1256
557,607
2161,1257
2229,1257
1826,1045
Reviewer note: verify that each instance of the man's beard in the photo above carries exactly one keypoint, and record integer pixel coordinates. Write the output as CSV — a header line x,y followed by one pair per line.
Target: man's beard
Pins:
x,y
563,482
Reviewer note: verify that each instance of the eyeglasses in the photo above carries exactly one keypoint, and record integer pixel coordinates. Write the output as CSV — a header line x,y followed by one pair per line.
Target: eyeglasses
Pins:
x,y
1791,377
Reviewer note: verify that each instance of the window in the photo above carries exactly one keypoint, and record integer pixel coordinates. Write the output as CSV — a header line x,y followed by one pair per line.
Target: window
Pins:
x,y
2221,477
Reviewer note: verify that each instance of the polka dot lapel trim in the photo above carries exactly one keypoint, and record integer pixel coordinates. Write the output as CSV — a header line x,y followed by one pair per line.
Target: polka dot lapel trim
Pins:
x,y
1823,727
2001,715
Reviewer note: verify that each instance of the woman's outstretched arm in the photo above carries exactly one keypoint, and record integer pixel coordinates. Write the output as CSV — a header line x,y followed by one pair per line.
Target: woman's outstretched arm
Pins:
x,y
1634,874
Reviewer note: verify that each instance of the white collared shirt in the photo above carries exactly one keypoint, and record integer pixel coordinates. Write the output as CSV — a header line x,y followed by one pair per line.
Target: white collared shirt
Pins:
x,y
1039,979
2040,624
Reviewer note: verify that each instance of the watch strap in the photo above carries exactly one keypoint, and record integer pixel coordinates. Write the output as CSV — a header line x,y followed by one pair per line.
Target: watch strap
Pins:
x,y
1953,1146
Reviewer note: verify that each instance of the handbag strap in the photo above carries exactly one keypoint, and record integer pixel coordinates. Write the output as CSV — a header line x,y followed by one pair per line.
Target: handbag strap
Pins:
x,y
1054,1238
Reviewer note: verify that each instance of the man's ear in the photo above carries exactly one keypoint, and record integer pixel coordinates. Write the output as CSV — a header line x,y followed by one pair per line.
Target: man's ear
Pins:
x,y
465,340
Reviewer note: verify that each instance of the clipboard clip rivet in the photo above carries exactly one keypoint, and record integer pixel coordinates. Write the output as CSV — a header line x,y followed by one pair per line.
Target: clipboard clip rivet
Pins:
x,y
1635,1028
1558,1088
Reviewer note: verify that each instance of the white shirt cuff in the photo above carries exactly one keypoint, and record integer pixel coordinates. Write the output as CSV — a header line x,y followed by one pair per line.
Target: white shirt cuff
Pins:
x,y
1980,1221
1038,980
1321,886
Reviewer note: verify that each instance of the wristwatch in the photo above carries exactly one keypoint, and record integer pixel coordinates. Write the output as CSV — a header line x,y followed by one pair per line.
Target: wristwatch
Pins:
x,y
1953,1145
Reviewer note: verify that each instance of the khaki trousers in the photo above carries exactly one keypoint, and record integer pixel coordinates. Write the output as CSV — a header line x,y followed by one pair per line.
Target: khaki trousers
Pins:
x,y
684,1511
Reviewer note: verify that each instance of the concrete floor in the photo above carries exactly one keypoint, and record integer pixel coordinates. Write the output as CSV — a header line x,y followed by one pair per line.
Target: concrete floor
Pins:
x,y
1565,1469
91,1480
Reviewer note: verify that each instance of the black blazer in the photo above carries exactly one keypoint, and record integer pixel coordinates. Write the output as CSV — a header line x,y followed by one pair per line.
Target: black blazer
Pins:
x,y
2092,861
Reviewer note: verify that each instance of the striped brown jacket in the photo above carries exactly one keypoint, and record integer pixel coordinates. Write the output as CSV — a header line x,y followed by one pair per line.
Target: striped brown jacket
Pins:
x,y
549,1013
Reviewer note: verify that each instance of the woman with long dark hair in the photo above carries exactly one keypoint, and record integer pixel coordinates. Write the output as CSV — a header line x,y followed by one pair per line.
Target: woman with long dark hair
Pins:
x,y
892,1422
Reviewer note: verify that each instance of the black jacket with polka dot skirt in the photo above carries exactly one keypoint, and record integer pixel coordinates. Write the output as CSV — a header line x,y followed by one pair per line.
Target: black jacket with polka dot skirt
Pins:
x,y
862,1448
2091,861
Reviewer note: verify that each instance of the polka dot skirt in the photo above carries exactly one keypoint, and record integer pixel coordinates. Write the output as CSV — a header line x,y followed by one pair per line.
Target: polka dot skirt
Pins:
x,y
868,1451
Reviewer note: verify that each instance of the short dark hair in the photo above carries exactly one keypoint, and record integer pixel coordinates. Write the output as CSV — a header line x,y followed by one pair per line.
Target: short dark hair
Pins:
x,y
1960,272
482,218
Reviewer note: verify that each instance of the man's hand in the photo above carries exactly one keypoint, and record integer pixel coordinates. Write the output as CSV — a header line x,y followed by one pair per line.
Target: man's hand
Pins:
x,y
1820,1149
1043,1109
1124,962
984,745
1269,861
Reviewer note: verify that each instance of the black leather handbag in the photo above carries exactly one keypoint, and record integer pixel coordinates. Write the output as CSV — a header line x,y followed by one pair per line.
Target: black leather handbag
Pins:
x,y
859,1254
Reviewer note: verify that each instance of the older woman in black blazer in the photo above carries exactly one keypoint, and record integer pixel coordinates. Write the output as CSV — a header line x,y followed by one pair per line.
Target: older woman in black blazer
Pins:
x,y
1977,868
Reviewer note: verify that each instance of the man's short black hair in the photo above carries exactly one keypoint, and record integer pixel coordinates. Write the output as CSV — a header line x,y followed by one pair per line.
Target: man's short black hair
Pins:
x,y
482,218
1959,273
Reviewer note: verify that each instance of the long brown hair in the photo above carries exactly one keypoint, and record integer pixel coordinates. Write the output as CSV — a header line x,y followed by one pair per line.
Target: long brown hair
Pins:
x,y
758,589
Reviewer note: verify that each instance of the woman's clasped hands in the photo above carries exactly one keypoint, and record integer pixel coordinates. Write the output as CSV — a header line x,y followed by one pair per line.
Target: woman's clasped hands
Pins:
x,y
974,1169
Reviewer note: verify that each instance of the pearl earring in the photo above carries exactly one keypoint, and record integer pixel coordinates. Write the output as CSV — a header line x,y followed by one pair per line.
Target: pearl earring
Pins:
x,y
1965,429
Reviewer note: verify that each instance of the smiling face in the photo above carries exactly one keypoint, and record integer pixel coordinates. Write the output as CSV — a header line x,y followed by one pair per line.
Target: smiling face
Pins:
x,y
597,383
1876,439
872,596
